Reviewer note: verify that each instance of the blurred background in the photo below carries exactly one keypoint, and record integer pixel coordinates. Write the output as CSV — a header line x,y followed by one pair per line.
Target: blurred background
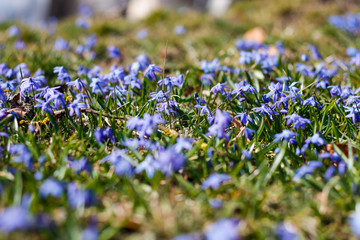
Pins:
x,y
35,11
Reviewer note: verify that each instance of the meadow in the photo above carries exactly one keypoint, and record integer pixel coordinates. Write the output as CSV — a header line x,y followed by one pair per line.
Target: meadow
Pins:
x,y
183,126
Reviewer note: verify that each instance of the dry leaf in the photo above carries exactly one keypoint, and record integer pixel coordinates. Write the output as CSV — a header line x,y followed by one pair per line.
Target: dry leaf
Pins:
x,y
256,34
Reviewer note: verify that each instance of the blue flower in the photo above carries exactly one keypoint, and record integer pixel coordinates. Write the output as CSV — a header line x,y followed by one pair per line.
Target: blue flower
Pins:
x,y
275,91
167,107
149,165
335,90
215,180
286,135
61,44
143,60
142,33
183,143
170,161
91,232
19,44
316,139
14,218
242,87
30,84
312,102
191,236
101,135
20,154
297,121
220,87
82,23
315,53
146,126
306,169
265,110
210,67
222,121
51,187
351,51
44,105
304,57
121,161
75,107
215,203
248,132
224,229
242,44
78,84
78,198
354,221
13,31
286,231
353,112
244,118
180,30
151,71
114,52
79,165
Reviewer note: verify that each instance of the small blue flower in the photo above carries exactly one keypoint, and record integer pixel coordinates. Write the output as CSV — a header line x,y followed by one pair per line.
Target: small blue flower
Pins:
x,y
151,71
220,87
215,180
215,203
75,107
51,187
180,30
142,33
297,121
78,198
306,169
13,31
79,165
61,44
114,52
14,218
354,221
285,135
286,231
224,229
121,161
222,122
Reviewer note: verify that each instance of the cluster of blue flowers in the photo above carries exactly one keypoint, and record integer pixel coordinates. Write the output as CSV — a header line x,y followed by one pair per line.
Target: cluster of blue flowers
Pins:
x,y
150,125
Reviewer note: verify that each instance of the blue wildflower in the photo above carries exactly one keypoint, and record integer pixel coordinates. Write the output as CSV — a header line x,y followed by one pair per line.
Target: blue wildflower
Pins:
x,y
114,52
151,71
79,165
354,221
286,231
286,135
222,121
142,33
78,198
297,121
224,228
121,161
75,107
180,30
215,180
51,187
306,169
14,218
220,87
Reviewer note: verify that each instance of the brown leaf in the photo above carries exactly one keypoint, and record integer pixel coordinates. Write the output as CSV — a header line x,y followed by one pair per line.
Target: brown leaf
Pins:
x,y
256,34
19,111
